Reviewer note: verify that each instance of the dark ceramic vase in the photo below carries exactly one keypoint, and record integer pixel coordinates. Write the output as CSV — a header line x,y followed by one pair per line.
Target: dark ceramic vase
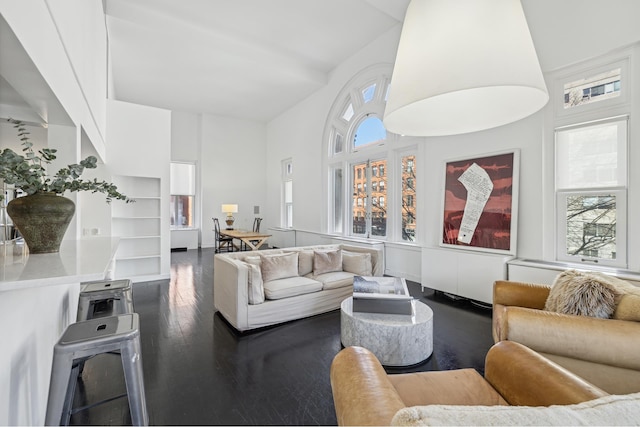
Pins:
x,y
42,219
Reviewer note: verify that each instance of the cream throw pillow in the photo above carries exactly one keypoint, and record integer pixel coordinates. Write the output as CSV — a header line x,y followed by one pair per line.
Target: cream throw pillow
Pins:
x,y
585,294
279,266
357,263
256,286
327,261
305,262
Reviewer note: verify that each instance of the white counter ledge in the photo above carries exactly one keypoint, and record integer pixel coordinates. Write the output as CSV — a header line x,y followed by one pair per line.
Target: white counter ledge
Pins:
x,y
81,260
38,300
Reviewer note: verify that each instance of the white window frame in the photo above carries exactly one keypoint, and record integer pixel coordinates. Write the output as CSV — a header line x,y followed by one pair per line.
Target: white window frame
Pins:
x,y
286,208
182,190
620,192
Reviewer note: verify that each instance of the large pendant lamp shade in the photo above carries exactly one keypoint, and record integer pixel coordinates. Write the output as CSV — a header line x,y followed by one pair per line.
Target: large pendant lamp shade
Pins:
x,y
463,66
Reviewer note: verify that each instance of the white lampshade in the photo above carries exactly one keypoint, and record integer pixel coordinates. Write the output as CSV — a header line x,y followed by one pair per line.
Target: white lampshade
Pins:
x,y
229,209
463,66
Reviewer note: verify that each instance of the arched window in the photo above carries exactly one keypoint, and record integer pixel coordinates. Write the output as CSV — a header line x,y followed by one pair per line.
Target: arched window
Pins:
x,y
358,156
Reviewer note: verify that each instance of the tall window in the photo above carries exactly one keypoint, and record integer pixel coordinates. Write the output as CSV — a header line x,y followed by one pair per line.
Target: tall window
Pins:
x,y
591,192
287,193
408,168
183,190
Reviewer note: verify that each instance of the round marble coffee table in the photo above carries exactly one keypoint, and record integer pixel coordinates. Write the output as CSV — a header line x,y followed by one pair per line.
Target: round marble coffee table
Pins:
x,y
396,340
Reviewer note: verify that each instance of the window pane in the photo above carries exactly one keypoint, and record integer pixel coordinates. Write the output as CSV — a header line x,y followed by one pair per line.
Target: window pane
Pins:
x,y
181,211
337,145
408,198
370,131
338,200
359,181
348,112
592,89
289,213
591,226
288,192
367,94
183,178
379,209
592,156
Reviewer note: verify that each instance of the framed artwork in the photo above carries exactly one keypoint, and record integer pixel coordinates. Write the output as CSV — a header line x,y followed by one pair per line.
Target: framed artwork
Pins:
x,y
480,203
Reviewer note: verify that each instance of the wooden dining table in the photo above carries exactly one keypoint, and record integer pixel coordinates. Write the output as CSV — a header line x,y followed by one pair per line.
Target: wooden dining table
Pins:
x,y
252,239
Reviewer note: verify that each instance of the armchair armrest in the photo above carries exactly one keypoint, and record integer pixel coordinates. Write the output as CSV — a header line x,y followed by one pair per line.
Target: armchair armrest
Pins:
x,y
368,399
525,378
507,293
520,294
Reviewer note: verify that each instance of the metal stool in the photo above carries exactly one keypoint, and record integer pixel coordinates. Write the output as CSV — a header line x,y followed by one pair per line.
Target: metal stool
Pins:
x,y
85,339
105,298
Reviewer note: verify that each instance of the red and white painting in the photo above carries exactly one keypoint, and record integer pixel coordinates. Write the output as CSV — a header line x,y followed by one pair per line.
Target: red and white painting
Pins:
x,y
479,202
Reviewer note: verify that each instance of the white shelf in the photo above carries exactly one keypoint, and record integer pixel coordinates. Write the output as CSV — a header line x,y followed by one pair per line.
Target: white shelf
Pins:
x,y
139,226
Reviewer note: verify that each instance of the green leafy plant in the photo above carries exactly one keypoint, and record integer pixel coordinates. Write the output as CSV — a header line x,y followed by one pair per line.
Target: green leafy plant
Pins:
x,y
28,172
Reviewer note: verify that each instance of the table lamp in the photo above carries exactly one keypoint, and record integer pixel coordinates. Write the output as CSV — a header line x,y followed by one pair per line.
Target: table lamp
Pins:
x,y
229,210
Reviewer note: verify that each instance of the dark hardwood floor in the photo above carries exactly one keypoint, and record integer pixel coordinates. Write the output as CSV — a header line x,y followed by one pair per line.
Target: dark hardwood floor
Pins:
x,y
199,371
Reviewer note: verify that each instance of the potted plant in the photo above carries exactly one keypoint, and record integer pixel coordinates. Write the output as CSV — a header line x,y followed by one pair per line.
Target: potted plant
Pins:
x,y
42,216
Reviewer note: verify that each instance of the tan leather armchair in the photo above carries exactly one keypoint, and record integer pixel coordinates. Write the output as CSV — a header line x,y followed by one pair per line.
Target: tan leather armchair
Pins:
x,y
364,394
605,352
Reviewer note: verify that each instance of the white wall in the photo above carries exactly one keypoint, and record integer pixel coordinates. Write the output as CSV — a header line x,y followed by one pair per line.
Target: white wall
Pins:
x,y
140,139
298,133
233,166
69,51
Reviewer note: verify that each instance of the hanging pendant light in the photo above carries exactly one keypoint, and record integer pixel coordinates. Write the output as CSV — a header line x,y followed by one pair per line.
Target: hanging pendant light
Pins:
x,y
463,66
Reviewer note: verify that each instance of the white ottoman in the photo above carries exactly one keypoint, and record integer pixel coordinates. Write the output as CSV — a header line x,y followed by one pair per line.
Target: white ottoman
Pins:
x,y
396,340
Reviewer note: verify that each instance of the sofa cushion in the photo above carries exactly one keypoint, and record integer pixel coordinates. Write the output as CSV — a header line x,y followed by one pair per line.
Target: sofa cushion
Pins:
x,y
327,261
290,287
609,410
279,266
580,293
256,289
305,262
334,279
357,263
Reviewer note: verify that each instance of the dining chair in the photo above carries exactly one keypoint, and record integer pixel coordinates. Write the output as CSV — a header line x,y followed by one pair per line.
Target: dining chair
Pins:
x,y
222,243
255,229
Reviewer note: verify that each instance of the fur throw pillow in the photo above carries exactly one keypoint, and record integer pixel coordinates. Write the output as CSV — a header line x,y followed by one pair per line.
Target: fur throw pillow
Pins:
x,y
583,294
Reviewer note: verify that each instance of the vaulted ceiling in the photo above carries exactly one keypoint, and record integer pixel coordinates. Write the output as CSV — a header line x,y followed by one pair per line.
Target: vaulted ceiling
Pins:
x,y
240,58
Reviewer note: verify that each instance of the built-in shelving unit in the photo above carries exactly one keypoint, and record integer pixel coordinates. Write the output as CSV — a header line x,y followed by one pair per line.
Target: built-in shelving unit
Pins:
x,y
139,227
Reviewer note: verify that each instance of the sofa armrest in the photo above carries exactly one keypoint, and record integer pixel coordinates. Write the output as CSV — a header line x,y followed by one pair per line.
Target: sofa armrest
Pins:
x,y
525,378
230,290
604,341
362,393
520,294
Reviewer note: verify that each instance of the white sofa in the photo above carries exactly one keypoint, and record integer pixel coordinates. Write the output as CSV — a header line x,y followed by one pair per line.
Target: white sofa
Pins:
x,y
238,284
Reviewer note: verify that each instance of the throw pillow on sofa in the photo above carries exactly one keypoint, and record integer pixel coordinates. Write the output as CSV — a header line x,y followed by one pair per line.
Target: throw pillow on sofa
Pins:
x,y
279,266
256,287
357,263
305,262
327,261
580,293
